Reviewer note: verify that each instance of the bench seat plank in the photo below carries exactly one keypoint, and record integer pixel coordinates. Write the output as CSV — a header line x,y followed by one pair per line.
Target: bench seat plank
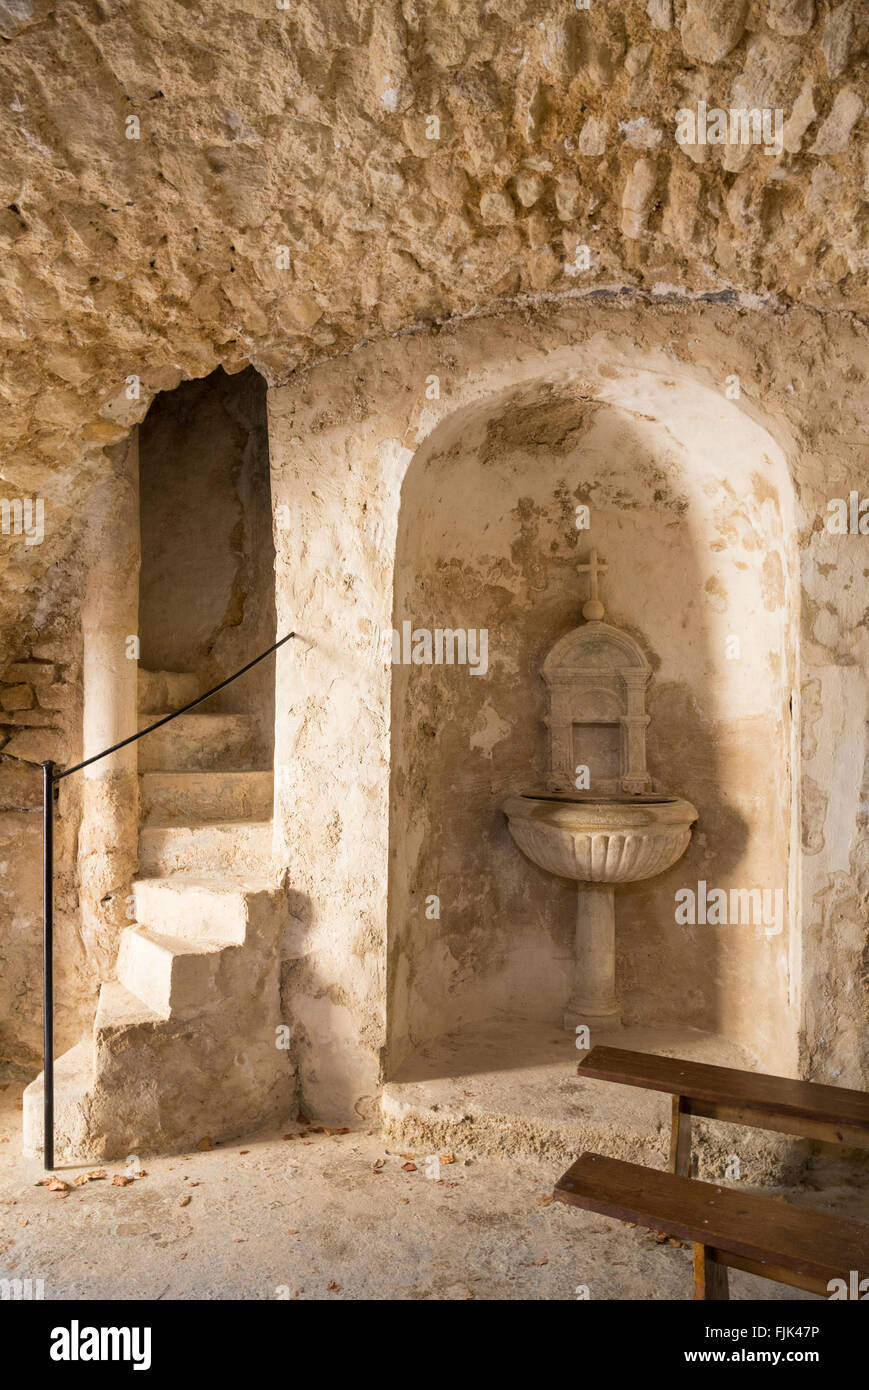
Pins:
x,y
803,1101
814,1245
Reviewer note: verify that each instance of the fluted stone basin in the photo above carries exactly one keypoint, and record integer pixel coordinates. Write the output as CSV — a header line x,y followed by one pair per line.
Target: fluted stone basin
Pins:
x,y
613,839
599,841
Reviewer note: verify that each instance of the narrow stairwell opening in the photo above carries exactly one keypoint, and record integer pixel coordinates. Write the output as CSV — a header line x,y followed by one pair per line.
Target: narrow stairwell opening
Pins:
x,y
206,607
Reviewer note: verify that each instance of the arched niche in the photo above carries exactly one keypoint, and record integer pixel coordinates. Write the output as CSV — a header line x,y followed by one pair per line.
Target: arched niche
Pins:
x,y
692,505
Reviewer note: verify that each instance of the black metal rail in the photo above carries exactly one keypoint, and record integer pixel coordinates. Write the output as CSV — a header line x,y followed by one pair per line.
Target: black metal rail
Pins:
x,y
50,779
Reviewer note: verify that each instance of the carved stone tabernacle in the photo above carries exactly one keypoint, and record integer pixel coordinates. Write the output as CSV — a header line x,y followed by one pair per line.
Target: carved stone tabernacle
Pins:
x,y
596,676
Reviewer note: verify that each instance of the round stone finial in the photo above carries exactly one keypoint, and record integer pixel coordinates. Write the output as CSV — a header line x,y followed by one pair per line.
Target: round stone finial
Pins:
x,y
593,609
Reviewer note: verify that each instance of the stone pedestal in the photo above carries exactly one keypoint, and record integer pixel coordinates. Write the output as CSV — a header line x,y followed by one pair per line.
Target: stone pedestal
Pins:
x,y
593,1001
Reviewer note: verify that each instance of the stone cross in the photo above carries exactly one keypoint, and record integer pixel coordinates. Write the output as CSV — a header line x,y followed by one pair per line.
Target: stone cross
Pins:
x,y
593,610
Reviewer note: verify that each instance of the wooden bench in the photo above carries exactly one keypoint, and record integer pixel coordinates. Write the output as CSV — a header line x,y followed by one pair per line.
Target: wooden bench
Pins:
x,y
827,1113
728,1229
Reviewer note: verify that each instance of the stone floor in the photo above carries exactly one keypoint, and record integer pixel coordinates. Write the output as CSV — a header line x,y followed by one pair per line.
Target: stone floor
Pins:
x,y
321,1216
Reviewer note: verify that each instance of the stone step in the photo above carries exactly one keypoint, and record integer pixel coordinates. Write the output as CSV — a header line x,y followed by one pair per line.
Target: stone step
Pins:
x,y
145,1083
222,908
190,798
228,846
163,1084
73,1080
172,974
199,742
166,690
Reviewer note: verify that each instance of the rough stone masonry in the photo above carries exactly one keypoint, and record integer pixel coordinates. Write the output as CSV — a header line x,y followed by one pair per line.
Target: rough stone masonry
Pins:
x,y
493,264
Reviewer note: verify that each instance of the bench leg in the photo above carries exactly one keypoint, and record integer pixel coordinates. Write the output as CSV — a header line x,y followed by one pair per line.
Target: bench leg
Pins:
x,y
710,1278
680,1139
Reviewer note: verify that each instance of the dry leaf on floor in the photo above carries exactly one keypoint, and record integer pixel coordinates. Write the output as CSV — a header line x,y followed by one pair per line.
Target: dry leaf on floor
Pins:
x,y
403,1201
291,1136
93,1176
409,1168
446,1158
302,1119
244,1151
345,1129
377,1165
205,1144
54,1184
409,1156
121,1180
333,1287
544,1200
185,1201
292,1231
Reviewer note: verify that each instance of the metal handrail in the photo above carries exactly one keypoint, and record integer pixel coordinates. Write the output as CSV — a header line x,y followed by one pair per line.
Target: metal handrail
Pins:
x,y
50,779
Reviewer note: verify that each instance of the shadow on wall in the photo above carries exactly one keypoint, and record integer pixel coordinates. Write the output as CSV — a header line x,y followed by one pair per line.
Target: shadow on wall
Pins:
x,y
207,582
685,499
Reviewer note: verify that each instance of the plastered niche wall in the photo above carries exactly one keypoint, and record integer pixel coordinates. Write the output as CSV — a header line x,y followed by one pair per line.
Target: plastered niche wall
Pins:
x,y
701,572
342,437
207,575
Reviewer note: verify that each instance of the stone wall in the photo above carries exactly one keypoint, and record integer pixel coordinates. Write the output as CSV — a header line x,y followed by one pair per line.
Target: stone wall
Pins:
x,y
40,695
310,178
342,438
480,193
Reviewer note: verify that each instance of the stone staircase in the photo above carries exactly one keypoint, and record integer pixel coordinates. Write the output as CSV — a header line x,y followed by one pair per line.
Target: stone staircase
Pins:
x,y
184,1040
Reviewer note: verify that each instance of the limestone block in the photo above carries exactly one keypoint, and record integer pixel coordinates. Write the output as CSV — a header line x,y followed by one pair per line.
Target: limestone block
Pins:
x,y
791,17
58,696
800,119
35,673
637,196
660,12
20,786
17,697
38,746
637,58
496,209
835,132
680,210
529,187
31,718
594,137
710,29
836,39
566,197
